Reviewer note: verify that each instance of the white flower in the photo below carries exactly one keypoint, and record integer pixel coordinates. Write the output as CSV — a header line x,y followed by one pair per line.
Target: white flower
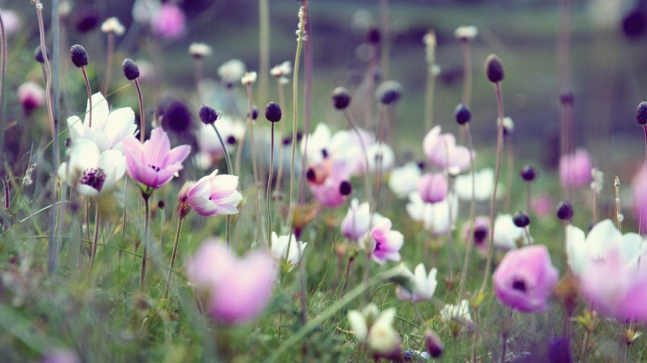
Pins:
x,y
422,286
281,251
318,144
357,221
281,70
112,25
466,32
435,217
506,233
209,146
380,154
231,71
459,313
89,171
508,124
199,50
108,129
248,78
598,180
403,180
483,186
375,330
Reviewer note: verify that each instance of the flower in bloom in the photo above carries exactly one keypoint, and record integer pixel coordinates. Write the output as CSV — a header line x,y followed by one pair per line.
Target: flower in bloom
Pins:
x,y
328,182
466,33
231,71
480,235
506,234
287,248
639,190
441,150
381,243
457,313
237,290
432,187
404,180
380,157
210,149
215,194
483,185
376,330
169,22
153,164
435,217
11,20
422,285
113,25
357,221
525,278
89,171
108,128
575,169
31,96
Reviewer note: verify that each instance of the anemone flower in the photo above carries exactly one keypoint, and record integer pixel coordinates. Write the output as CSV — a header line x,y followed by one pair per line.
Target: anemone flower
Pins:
x,y
481,233
328,182
382,243
422,287
210,148
575,169
441,150
506,234
169,22
483,186
31,96
153,164
376,330
89,171
287,248
236,290
404,180
215,194
357,221
434,217
525,278
108,128
432,187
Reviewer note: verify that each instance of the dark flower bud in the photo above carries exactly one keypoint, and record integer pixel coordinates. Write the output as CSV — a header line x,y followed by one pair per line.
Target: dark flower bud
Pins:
x,y
345,188
208,115
565,211
254,113
160,204
176,117
273,112
131,71
340,98
86,18
641,113
634,23
374,35
231,140
528,173
38,55
434,345
494,69
311,175
389,92
79,56
462,114
521,219
566,97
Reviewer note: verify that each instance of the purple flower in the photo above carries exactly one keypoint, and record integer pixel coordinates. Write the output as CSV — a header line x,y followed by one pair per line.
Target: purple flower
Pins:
x,y
525,278
154,163
215,194
169,22
31,96
381,243
432,187
237,290
575,169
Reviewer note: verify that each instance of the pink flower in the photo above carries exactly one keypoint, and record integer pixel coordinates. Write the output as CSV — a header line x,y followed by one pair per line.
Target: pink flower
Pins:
x,y
328,182
481,233
154,163
639,189
575,169
357,221
31,96
525,278
542,205
215,194
169,22
238,290
381,243
441,150
432,187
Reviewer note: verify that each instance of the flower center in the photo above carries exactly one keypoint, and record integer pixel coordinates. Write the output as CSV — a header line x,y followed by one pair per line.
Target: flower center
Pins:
x,y
156,168
519,284
93,177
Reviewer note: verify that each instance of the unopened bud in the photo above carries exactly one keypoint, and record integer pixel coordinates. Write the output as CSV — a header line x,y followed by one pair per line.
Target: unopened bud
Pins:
x,y
273,112
131,71
521,219
565,211
340,98
79,56
494,69
208,115
641,113
434,345
462,114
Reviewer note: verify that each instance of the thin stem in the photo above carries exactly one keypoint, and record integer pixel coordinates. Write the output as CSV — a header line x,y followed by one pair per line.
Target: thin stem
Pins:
x,y
87,86
254,167
229,171
431,81
269,188
279,174
263,48
585,347
423,323
142,113
528,196
497,170
640,215
470,237
147,218
198,78
504,346
510,159
95,238
346,273
476,335
467,71
3,67
174,255
616,184
367,177
111,47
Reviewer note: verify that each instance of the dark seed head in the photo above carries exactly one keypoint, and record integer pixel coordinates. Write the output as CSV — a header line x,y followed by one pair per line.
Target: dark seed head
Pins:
x,y
566,97
641,113
634,24
494,69
340,98
311,175
565,211
462,114
273,112
38,55
79,56
528,173
176,117
86,18
389,92
208,115
131,71
374,35
160,204
521,219
345,188
254,113
231,140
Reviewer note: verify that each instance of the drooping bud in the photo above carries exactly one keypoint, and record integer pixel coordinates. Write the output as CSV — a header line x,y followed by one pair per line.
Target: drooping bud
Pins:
x,y
389,92
521,219
494,69
340,98
254,112
462,114
434,345
208,115
528,173
374,35
565,211
641,113
131,71
273,112
38,55
79,56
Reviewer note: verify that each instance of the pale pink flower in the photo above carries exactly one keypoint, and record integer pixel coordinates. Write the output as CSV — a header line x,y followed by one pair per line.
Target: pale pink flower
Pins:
x,y
441,150
382,243
525,279
169,22
639,190
434,217
542,205
329,182
215,194
154,163
238,290
432,187
481,234
11,20
31,96
575,169
358,221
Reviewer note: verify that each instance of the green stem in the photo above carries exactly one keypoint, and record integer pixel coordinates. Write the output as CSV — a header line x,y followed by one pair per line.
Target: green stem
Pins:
x,y
142,113
470,236
254,167
174,255
269,188
147,218
229,171
95,238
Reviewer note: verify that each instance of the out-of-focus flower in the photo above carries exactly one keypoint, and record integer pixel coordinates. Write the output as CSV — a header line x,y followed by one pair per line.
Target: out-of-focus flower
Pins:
x,y
422,287
209,147
457,313
143,10
432,187
215,194
404,180
435,217
231,71
31,96
109,128
60,355
525,278
112,25
237,290
441,150
287,248
11,21
199,50
153,164
376,330
248,78
480,235
575,169
379,154
357,221
169,22
89,171
281,72
542,205
639,190
483,185
506,234
466,33
382,243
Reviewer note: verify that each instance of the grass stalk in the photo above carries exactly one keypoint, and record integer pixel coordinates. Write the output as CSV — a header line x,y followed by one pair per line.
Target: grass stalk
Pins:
x,y
174,254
